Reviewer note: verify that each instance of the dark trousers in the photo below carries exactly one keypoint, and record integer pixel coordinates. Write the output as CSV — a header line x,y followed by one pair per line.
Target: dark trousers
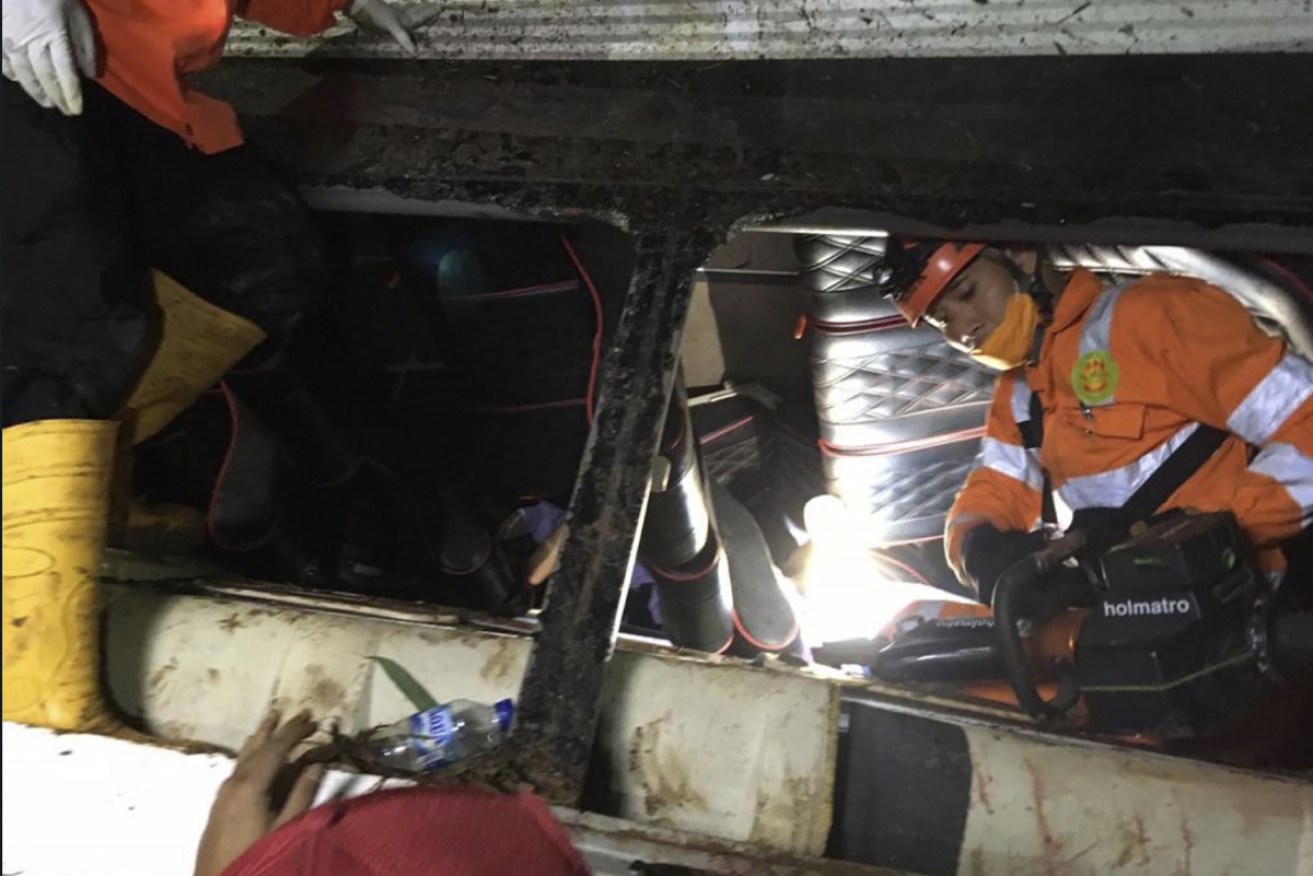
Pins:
x,y
91,204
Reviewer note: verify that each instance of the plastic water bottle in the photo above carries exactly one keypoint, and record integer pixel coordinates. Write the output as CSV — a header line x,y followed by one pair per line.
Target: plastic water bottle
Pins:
x,y
440,737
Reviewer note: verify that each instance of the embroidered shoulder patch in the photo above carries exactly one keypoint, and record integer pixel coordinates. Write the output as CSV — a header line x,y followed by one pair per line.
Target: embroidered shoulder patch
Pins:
x,y
1095,377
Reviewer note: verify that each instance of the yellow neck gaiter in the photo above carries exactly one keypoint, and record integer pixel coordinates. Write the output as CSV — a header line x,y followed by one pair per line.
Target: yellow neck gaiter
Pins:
x,y
1008,345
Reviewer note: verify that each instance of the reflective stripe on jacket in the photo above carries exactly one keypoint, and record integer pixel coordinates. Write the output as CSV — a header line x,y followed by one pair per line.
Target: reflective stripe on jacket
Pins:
x,y
150,48
1125,375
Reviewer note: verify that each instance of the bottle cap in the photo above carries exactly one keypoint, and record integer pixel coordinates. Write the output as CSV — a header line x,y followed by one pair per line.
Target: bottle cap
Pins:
x,y
505,710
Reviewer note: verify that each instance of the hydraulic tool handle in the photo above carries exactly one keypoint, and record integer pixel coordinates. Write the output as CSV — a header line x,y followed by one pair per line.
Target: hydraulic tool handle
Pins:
x,y
1058,550
1012,601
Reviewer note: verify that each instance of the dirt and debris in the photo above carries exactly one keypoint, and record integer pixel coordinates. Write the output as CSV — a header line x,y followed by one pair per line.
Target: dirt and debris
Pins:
x,y
983,781
683,138
1075,12
492,770
1187,842
1051,845
159,676
1135,844
327,695
663,776
499,666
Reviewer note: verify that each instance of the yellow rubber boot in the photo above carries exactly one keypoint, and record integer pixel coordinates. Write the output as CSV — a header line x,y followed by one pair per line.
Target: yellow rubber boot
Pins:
x,y
198,344
148,527
56,498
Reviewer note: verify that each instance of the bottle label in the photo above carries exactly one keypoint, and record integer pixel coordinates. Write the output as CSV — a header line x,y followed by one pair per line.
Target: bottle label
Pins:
x,y
430,736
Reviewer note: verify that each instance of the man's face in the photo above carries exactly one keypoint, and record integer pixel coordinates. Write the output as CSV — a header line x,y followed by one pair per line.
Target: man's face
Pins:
x,y
973,305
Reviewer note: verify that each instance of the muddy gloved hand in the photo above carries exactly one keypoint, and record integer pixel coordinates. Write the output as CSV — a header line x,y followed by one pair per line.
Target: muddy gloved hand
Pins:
x,y
397,20
48,46
987,552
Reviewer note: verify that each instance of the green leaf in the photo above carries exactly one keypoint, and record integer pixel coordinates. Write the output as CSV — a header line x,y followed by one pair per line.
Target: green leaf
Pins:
x,y
419,697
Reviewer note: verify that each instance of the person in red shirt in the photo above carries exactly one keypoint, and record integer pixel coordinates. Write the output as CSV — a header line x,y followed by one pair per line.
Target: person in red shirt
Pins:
x,y
418,831
146,251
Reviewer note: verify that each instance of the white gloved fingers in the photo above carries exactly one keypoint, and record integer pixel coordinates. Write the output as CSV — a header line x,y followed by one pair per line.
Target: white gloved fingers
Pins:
x,y
83,35
6,68
43,65
66,75
45,43
22,67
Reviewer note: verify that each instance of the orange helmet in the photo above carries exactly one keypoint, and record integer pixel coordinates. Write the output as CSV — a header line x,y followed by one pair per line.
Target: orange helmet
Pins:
x,y
918,271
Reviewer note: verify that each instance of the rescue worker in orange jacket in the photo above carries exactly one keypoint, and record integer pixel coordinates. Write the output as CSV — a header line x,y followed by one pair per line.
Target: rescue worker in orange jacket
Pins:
x,y
146,251
1123,376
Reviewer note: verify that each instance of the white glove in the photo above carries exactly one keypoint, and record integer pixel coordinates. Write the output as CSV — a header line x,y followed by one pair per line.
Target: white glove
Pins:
x,y
46,43
381,15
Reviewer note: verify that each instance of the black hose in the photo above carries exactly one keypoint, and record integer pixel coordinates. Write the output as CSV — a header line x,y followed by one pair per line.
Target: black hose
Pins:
x,y
1013,601
678,523
1009,595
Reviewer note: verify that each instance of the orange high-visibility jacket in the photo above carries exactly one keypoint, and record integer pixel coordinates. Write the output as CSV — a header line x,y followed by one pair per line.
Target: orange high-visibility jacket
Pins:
x,y
150,47
1125,374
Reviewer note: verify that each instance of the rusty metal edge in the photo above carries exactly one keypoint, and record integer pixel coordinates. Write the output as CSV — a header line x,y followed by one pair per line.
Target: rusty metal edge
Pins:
x,y
561,694
778,29
632,843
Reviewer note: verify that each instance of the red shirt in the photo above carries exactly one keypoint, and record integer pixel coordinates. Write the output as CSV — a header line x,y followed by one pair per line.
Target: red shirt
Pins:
x,y
150,48
420,831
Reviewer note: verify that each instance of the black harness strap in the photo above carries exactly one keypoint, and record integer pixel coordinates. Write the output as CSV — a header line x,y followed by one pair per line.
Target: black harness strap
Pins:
x,y
1032,438
1176,469
1114,523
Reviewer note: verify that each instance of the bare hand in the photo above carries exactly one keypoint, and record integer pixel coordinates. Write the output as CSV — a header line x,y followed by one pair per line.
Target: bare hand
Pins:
x,y
242,811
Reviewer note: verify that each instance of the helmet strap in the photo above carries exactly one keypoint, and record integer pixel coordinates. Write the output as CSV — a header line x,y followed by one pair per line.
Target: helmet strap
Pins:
x,y
1031,284
1034,286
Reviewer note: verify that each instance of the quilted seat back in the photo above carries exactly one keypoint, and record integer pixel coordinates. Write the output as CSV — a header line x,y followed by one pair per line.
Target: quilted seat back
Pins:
x,y
901,413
